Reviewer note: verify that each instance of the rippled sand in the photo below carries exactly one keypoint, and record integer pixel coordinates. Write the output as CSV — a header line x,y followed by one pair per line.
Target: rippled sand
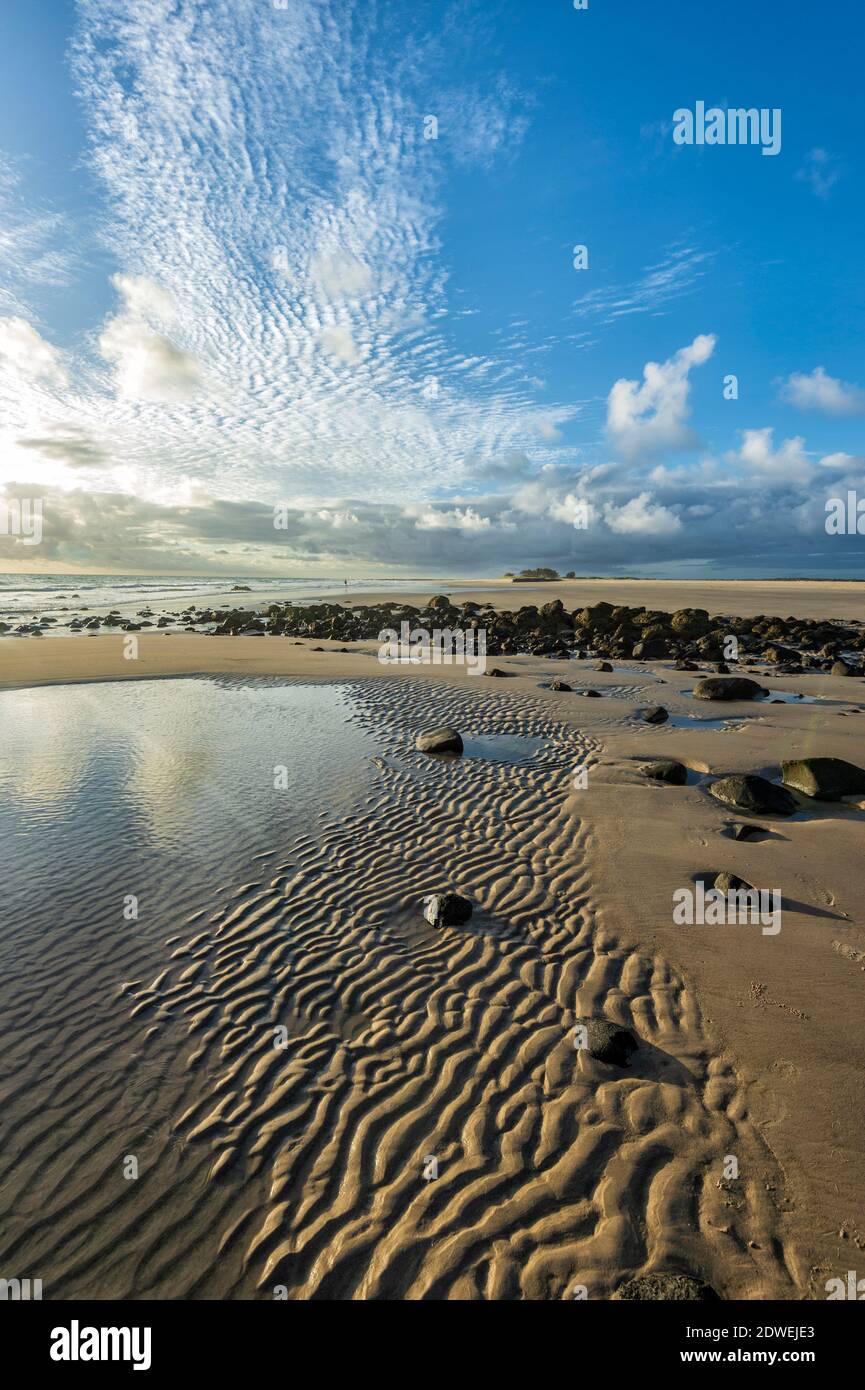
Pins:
x,y
305,1168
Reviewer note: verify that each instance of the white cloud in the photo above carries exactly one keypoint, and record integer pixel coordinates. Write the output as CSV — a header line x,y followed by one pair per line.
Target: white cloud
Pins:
x,y
25,354
841,462
640,517
573,511
818,391
644,418
426,518
822,171
341,274
339,343
148,365
679,272
787,464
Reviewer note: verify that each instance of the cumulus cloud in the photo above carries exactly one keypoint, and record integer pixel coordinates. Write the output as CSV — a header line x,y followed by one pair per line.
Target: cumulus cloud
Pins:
x,y
428,518
573,511
641,517
645,418
819,391
148,365
786,464
25,354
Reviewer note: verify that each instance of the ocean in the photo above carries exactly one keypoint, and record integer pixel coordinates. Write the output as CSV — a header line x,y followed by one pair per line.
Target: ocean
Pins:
x,y
28,593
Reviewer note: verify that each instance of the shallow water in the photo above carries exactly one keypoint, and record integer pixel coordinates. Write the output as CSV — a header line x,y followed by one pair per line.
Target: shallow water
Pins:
x,y
503,748
148,784
685,721
787,697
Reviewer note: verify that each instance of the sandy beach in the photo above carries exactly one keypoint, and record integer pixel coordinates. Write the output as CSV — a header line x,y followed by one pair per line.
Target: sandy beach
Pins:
x,y
412,1051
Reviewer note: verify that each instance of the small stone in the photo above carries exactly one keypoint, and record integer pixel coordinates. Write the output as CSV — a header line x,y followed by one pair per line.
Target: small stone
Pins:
x,y
608,1042
654,714
748,831
442,740
447,910
667,770
666,1287
729,883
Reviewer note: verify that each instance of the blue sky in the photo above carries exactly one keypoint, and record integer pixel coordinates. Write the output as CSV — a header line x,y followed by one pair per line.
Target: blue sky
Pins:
x,y
235,276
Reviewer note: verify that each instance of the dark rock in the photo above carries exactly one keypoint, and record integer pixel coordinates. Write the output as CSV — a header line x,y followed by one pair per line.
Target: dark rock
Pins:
x,y
603,666
591,694
554,609
447,910
650,649
726,883
653,714
727,688
756,794
441,740
666,1287
747,832
667,770
827,779
840,668
497,671
560,685
608,1042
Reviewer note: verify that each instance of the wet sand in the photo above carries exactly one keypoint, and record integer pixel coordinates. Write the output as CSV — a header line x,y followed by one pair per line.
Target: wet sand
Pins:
x,y
554,1170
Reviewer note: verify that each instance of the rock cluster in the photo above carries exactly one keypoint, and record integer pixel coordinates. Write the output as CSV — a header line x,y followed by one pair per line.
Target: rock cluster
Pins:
x,y
610,632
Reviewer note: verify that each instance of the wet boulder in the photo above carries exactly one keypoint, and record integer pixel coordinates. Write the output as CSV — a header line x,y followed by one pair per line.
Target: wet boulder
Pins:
x,y
727,688
755,794
826,779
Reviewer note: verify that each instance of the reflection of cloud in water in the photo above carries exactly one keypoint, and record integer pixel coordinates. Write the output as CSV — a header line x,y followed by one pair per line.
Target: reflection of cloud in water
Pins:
x,y
160,759
44,744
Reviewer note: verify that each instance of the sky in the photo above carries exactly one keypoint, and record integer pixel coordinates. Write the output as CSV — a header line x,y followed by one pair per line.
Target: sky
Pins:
x,y
295,287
